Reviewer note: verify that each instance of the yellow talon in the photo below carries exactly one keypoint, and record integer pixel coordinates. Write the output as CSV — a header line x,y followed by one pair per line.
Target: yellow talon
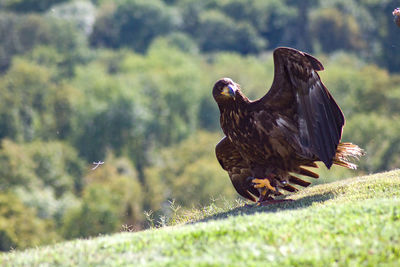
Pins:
x,y
264,192
263,183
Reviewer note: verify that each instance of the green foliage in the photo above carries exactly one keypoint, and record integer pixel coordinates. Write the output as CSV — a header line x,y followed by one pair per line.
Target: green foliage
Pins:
x,y
22,34
217,32
46,204
348,79
133,23
172,94
379,136
271,19
57,165
80,13
50,163
95,216
15,166
387,32
25,32
19,227
25,6
144,101
45,175
31,100
335,30
112,198
112,128
181,41
190,172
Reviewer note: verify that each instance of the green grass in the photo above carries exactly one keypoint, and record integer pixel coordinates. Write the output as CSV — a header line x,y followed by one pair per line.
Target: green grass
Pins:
x,y
353,222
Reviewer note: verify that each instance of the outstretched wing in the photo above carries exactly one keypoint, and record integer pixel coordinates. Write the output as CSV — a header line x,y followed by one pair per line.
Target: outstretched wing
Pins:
x,y
298,91
237,168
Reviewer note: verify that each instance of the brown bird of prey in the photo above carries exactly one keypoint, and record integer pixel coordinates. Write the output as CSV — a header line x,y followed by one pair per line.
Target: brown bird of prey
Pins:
x,y
269,140
396,15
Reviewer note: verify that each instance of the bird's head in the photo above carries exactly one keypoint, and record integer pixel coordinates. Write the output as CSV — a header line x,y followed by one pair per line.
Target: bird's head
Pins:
x,y
225,90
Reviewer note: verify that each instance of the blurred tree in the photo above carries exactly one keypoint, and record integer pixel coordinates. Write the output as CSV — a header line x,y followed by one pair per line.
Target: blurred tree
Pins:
x,y
298,34
172,87
16,166
80,13
25,6
112,128
19,228
58,166
121,178
96,215
217,32
105,31
334,30
191,11
45,203
43,174
208,114
388,52
19,34
271,19
189,173
33,103
349,78
133,23
47,56
71,43
378,135
179,40
167,85
112,198
25,89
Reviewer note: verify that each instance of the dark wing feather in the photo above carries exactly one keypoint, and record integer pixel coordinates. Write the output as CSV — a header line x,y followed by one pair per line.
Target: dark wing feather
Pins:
x,y
298,91
237,168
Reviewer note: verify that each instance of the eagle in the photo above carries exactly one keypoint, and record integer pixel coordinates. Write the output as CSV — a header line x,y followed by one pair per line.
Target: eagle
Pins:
x,y
269,141
396,15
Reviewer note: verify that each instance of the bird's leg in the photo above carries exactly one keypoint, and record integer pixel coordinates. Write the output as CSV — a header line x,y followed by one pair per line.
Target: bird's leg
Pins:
x,y
263,196
263,183
264,186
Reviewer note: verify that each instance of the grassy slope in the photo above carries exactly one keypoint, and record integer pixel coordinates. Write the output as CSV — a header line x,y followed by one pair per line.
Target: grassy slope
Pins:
x,y
351,222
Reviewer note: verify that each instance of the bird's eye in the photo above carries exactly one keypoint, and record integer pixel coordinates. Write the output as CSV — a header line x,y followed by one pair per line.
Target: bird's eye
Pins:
x,y
228,90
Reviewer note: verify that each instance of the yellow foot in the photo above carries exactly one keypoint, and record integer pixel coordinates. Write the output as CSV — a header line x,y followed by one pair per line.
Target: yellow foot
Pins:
x,y
263,183
263,193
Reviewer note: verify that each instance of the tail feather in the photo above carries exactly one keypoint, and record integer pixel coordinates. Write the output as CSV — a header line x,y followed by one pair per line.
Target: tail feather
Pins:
x,y
298,181
311,164
309,173
345,152
290,188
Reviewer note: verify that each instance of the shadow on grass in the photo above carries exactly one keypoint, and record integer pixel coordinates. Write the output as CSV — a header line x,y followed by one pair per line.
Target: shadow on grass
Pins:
x,y
252,209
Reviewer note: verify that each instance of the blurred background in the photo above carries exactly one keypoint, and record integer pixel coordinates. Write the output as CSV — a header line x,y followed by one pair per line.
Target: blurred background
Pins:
x,y
129,83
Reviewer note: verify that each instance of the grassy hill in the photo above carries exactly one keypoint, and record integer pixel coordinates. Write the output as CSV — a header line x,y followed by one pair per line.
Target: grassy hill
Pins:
x,y
351,222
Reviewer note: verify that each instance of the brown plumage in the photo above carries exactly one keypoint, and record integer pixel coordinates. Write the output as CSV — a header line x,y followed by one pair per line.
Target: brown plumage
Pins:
x,y
396,15
294,125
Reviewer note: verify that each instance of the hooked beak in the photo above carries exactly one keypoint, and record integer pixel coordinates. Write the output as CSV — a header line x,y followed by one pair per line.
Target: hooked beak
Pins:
x,y
229,90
